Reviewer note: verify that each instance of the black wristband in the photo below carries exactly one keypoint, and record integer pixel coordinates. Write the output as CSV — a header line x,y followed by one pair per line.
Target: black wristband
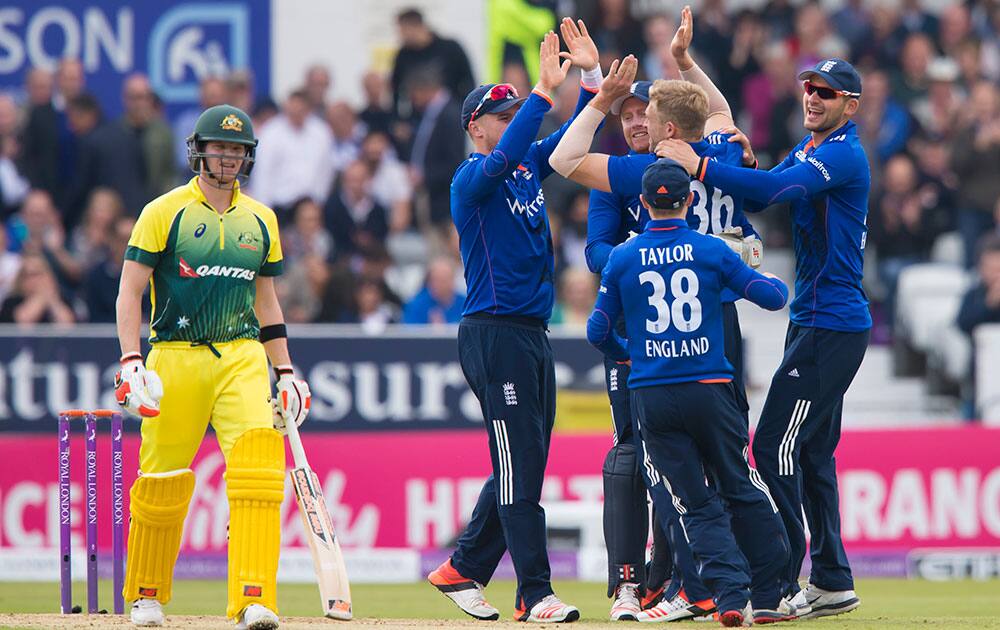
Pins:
x,y
274,331
281,371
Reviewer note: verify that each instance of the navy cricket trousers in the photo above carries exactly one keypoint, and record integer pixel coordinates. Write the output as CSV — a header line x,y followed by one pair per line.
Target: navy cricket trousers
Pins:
x,y
794,446
672,555
694,430
509,366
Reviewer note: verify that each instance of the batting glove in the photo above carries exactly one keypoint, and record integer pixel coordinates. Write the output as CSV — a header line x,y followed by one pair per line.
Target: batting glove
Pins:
x,y
293,399
137,389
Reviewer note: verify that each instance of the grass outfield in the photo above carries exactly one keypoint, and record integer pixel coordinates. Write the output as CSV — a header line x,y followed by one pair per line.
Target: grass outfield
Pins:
x,y
885,604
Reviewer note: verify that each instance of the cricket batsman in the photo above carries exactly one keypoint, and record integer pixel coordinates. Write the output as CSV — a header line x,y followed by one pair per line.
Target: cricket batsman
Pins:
x,y
210,254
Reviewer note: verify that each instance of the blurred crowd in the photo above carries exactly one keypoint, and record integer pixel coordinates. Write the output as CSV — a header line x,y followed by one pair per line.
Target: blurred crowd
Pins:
x,y
362,193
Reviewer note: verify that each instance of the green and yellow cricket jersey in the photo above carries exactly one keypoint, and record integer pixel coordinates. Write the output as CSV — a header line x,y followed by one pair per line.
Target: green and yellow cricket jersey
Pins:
x,y
204,264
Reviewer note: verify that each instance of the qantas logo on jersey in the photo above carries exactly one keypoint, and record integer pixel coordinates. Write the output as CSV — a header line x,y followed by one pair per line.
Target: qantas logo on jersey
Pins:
x,y
226,272
185,269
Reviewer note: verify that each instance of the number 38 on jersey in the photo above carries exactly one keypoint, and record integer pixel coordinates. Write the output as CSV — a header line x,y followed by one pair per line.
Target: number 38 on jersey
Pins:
x,y
684,310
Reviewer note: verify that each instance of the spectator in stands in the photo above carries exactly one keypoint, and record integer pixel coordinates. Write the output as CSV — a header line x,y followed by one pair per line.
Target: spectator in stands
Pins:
x,y
937,113
938,186
346,134
372,310
853,22
356,221
293,158
264,109
898,226
438,146
779,17
909,83
40,154
240,91
772,101
914,19
376,114
10,264
100,286
211,92
981,304
391,186
90,240
814,39
13,184
44,235
968,55
143,118
747,48
35,298
439,302
573,232
317,86
306,236
658,30
616,31
883,124
70,82
422,48
975,163
302,287
577,287
955,27
107,154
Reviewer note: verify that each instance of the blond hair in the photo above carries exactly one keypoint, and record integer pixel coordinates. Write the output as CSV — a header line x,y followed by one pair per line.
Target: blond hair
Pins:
x,y
682,103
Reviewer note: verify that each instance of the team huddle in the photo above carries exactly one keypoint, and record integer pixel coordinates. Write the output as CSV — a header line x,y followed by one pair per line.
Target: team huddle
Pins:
x,y
669,233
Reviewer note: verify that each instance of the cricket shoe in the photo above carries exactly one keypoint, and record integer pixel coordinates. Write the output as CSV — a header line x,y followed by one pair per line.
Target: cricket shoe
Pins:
x,y
467,594
784,612
737,618
813,601
651,598
257,617
626,605
677,609
147,613
549,610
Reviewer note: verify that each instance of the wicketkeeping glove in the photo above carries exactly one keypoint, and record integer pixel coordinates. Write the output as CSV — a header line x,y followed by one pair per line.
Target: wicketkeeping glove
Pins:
x,y
750,249
137,389
293,399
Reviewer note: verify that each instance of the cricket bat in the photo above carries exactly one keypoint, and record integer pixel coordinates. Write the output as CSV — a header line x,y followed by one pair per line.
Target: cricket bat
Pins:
x,y
334,589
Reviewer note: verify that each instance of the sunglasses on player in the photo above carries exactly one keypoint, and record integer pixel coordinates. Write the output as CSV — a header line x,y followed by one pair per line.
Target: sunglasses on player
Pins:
x,y
825,93
499,92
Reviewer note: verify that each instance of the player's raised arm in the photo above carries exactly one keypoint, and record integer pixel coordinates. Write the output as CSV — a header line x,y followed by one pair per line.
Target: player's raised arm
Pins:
x,y
719,113
571,158
478,178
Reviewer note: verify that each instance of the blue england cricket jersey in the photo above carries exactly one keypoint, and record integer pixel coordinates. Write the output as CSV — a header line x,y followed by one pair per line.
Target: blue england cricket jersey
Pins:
x,y
667,282
711,211
827,187
612,218
499,211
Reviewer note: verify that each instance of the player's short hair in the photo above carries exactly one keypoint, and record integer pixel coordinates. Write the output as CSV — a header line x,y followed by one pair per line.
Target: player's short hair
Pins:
x,y
410,15
682,103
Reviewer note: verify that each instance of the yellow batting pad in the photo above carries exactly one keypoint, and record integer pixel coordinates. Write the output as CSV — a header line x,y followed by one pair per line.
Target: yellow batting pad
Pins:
x,y
255,484
159,503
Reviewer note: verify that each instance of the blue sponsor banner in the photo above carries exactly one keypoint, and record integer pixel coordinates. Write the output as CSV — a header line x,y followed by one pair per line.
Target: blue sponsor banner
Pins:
x,y
407,379
175,43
